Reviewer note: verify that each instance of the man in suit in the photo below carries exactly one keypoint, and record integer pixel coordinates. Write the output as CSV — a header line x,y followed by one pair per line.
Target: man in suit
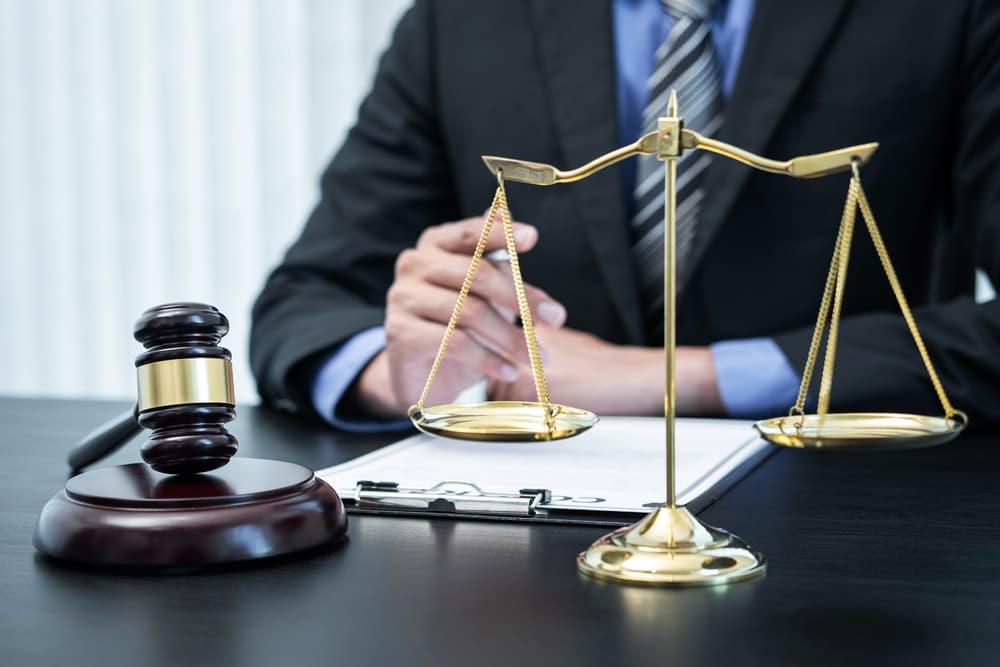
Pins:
x,y
349,323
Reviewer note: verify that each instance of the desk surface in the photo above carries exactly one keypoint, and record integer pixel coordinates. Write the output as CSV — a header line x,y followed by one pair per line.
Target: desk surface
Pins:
x,y
889,558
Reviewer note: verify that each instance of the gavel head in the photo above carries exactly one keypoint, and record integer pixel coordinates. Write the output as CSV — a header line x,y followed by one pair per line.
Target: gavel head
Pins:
x,y
185,383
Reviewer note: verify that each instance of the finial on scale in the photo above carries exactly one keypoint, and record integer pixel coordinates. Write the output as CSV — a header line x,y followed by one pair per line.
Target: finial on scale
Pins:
x,y
672,104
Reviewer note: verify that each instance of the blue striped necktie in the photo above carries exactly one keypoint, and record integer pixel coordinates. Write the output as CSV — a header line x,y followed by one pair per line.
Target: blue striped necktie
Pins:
x,y
686,62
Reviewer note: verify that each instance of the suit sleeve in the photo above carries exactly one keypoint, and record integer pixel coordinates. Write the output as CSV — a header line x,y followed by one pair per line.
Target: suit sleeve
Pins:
x,y
878,367
385,185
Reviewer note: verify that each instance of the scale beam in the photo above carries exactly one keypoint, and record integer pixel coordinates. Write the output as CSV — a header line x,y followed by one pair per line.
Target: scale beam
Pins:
x,y
804,166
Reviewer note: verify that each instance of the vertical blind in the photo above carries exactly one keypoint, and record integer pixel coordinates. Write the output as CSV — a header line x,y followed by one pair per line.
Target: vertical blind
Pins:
x,y
154,151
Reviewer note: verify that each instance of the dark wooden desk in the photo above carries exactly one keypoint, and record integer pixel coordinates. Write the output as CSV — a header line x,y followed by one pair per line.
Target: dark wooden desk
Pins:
x,y
889,559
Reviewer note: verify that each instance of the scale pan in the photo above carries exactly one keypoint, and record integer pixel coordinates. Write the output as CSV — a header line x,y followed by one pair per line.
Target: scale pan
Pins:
x,y
509,421
860,431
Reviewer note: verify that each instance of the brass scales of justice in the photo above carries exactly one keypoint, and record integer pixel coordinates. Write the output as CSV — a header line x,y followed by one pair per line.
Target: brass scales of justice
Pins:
x,y
670,546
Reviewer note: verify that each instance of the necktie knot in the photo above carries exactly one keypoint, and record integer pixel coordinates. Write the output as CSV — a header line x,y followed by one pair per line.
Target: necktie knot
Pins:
x,y
696,10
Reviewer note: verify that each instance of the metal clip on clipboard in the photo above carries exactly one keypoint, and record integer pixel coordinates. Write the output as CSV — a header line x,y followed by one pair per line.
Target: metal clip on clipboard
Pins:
x,y
450,498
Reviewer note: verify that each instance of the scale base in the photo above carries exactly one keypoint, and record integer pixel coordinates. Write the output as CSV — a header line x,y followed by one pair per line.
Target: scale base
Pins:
x,y
670,547
131,516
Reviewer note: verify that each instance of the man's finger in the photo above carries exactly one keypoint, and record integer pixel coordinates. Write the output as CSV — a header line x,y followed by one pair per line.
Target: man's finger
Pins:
x,y
463,349
492,284
461,237
436,304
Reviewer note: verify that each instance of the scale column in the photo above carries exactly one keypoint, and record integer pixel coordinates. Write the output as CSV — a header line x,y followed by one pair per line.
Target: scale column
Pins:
x,y
669,150
669,546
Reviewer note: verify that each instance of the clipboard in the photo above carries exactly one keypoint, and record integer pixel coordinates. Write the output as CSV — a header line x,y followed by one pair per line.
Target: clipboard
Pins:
x,y
574,482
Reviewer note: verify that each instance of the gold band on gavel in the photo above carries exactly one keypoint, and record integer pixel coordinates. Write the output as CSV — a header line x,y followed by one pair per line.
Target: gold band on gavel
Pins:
x,y
184,381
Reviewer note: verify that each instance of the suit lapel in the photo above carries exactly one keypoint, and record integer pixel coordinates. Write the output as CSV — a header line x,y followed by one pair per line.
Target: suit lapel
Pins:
x,y
576,53
785,39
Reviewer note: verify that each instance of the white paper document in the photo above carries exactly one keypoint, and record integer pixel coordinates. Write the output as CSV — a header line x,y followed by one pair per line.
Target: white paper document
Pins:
x,y
619,465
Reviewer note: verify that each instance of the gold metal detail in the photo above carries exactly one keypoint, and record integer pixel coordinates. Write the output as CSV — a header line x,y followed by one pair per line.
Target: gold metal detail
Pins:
x,y
670,153
805,166
185,381
499,420
537,173
668,137
858,430
861,430
671,547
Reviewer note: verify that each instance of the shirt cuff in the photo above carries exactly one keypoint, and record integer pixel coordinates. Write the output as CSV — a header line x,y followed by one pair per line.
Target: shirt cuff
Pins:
x,y
336,374
754,377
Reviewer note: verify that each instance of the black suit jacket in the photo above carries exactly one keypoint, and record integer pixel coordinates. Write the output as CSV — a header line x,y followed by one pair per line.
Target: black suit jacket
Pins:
x,y
534,79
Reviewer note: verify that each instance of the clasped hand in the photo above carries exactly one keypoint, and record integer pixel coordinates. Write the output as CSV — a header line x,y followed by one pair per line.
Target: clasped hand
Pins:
x,y
582,370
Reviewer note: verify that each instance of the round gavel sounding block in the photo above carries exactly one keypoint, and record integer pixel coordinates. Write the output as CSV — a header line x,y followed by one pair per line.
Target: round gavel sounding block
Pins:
x,y
188,506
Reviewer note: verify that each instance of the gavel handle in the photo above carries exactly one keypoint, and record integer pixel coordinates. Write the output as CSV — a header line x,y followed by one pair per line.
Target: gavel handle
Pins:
x,y
103,440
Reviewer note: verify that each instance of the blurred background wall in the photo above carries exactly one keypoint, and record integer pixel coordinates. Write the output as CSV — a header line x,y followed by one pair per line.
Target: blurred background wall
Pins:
x,y
159,150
